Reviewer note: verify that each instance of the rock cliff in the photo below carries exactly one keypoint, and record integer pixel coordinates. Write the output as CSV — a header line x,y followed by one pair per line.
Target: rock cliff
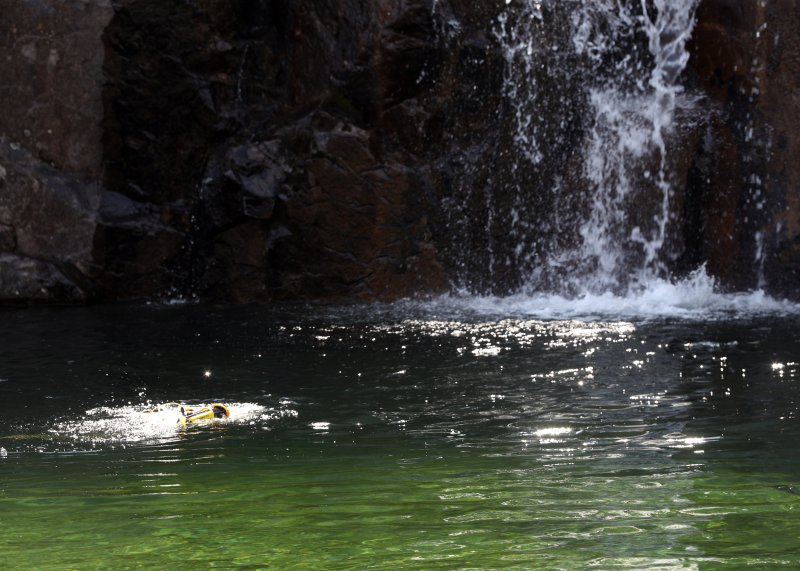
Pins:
x,y
248,150
745,185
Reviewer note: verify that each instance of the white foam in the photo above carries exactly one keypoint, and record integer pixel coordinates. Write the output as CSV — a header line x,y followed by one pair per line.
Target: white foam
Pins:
x,y
693,298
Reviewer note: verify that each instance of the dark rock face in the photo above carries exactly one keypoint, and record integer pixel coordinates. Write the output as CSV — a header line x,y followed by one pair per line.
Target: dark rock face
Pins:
x,y
341,150
50,148
745,185
53,80
258,127
333,220
47,227
242,148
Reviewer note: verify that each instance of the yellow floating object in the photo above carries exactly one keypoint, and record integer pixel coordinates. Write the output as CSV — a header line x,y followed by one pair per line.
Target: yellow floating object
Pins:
x,y
195,414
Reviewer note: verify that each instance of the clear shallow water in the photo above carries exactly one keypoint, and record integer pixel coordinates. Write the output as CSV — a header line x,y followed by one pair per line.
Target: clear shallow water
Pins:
x,y
449,435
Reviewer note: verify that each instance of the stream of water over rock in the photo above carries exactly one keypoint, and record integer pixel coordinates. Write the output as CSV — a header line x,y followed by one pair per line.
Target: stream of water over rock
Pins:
x,y
595,97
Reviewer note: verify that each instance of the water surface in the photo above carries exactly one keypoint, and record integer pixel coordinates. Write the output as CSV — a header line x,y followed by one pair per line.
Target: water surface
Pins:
x,y
416,436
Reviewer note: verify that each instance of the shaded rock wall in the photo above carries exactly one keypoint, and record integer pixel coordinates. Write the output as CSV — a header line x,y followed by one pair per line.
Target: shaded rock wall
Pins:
x,y
261,131
47,227
52,70
341,150
51,152
745,185
240,148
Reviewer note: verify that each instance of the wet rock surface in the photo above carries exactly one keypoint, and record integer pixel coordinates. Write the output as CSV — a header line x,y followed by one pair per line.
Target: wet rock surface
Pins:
x,y
746,182
342,150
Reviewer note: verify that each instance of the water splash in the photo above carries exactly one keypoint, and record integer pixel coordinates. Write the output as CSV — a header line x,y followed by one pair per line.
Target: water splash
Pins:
x,y
148,423
692,298
519,44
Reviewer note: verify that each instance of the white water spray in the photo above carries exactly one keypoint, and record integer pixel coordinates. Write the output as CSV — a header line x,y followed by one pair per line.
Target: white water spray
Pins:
x,y
630,125
520,46
629,58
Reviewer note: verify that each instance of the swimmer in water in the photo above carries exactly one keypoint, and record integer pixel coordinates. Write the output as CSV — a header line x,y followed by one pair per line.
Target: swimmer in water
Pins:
x,y
193,414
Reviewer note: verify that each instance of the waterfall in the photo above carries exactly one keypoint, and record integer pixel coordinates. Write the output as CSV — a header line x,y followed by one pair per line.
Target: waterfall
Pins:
x,y
606,74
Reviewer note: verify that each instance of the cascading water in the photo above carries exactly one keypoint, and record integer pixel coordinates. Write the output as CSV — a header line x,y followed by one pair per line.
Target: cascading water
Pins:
x,y
630,126
610,71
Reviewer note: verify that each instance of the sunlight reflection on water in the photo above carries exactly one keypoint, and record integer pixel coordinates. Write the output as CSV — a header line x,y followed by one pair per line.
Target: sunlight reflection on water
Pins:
x,y
377,433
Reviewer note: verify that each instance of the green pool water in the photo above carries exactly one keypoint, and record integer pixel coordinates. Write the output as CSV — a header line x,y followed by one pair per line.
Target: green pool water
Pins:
x,y
385,438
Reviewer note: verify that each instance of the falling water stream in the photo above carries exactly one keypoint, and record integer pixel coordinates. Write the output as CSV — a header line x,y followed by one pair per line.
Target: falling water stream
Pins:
x,y
612,71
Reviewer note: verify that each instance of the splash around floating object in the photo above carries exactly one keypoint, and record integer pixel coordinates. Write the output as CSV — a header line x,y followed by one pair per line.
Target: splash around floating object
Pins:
x,y
152,422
